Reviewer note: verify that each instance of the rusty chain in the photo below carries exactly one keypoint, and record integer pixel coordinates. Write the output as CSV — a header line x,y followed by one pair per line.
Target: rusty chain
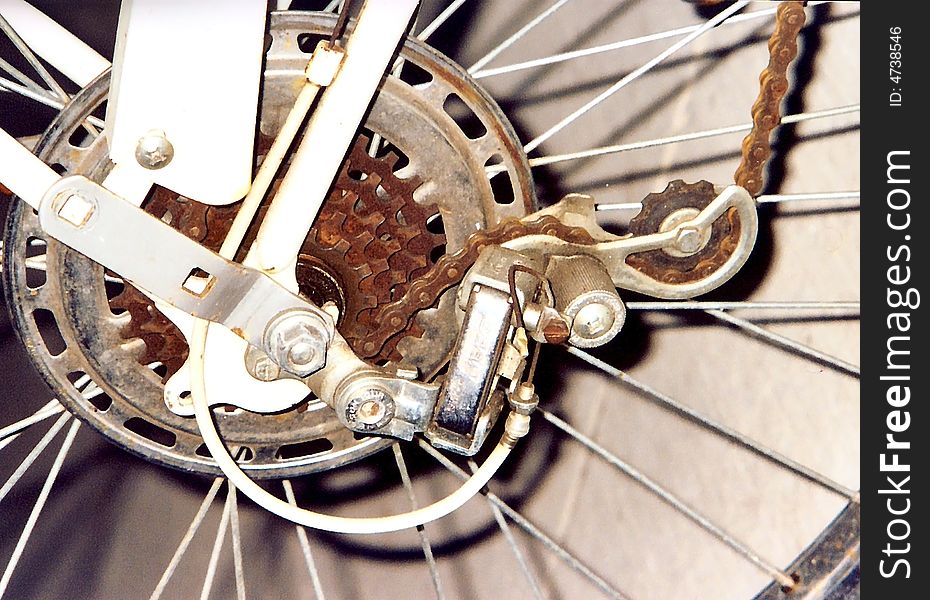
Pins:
x,y
449,271
773,85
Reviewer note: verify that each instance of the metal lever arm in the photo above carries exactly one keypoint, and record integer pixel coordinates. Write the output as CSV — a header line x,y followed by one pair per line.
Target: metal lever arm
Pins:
x,y
577,210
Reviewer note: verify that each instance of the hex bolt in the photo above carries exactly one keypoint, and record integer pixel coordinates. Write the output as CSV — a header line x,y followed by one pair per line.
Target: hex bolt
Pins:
x,y
261,366
154,151
689,240
301,354
593,320
298,340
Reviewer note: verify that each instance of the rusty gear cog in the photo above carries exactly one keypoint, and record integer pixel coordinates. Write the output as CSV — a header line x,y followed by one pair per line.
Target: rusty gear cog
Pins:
x,y
370,242
657,207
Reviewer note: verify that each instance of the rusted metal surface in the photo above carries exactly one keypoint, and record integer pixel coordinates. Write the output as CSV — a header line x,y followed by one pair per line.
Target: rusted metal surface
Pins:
x,y
773,82
450,269
661,266
370,242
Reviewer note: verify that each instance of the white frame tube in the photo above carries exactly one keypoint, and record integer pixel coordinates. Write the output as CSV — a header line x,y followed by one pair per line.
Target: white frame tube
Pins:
x,y
22,171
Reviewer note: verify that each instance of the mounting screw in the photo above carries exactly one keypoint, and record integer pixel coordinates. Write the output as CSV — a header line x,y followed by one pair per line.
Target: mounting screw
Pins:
x,y
154,151
369,409
593,321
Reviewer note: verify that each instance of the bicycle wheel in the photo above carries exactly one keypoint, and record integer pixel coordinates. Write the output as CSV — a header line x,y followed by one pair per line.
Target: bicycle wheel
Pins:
x,y
707,512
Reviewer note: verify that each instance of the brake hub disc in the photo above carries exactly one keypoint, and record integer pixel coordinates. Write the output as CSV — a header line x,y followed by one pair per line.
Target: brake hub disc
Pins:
x,y
388,218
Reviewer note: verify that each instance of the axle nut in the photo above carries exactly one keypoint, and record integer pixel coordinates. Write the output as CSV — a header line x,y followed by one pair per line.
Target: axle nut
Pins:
x,y
298,340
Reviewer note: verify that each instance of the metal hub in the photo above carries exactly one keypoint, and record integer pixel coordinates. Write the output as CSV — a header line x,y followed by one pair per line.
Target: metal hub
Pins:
x,y
387,220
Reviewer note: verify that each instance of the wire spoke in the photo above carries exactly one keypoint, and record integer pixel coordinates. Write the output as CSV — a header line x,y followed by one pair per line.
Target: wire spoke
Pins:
x,y
764,199
439,20
634,75
186,540
678,504
815,197
33,455
517,36
11,86
39,505
723,431
49,410
704,305
32,59
304,544
512,542
676,139
786,343
236,543
36,64
566,56
217,545
20,77
529,527
421,529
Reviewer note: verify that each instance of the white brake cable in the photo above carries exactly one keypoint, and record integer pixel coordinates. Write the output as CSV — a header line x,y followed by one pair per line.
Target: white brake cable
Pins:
x,y
271,503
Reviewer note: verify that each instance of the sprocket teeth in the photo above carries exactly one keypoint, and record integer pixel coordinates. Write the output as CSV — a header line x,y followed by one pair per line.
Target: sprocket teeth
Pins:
x,y
390,158
370,231
342,246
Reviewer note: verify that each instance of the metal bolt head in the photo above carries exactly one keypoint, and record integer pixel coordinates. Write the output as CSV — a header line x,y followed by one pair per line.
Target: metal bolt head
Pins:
x,y
371,411
154,151
689,240
593,320
368,409
260,365
554,327
301,353
298,341
267,370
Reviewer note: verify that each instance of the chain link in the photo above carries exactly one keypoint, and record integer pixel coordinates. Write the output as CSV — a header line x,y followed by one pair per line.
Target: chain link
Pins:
x,y
773,84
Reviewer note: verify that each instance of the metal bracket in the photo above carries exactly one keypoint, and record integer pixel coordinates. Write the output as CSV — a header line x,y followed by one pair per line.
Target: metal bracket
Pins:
x,y
168,265
468,405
